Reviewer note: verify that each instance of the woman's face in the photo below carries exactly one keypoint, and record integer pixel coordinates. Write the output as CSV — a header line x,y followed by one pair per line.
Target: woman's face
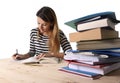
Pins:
x,y
43,26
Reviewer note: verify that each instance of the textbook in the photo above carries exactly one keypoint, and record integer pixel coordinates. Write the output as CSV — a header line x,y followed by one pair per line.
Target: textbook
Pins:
x,y
98,58
100,62
108,14
84,74
81,57
112,49
91,52
111,53
96,24
93,34
88,65
103,70
98,44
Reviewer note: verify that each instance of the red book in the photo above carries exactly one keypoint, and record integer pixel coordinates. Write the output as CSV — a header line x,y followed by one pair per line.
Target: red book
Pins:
x,y
99,69
88,65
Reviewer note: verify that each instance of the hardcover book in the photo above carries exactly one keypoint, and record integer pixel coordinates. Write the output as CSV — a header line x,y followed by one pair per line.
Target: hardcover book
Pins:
x,y
111,53
86,74
95,24
99,44
103,70
93,34
107,14
88,65
99,56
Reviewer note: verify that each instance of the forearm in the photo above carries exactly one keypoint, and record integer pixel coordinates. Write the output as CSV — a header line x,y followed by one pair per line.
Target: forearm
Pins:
x,y
27,55
20,56
59,55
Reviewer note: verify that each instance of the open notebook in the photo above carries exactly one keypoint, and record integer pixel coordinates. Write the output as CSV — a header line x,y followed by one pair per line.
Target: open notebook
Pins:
x,y
43,60
30,60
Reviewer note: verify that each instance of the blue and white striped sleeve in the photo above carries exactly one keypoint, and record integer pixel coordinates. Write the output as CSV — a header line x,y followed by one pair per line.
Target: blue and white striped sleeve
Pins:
x,y
65,44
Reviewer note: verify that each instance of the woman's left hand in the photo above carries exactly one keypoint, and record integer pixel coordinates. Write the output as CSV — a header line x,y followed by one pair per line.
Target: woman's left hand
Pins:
x,y
40,56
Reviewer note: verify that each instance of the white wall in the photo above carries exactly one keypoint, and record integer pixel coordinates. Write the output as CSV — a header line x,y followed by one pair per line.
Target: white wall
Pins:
x,y
18,17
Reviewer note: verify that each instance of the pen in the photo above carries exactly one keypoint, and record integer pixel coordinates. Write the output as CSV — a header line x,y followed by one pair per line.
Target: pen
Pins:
x,y
17,57
16,51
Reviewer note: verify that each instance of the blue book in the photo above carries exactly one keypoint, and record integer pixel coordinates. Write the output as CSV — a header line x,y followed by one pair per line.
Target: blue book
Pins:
x,y
109,51
111,15
106,52
105,49
81,73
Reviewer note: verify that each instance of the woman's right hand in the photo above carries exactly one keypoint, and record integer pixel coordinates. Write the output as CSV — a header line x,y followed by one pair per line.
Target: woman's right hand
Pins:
x,y
18,56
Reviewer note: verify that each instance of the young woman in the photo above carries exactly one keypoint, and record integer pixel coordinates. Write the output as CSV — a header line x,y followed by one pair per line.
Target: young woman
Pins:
x,y
46,39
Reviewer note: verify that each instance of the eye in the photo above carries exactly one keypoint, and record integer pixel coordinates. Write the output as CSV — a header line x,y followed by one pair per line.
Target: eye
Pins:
x,y
38,23
44,24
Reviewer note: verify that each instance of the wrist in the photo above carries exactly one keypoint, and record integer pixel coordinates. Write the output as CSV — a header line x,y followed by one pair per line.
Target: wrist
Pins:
x,y
52,54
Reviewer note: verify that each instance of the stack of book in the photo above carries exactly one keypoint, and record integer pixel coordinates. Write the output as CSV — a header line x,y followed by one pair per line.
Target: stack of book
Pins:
x,y
101,26
98,46
90,65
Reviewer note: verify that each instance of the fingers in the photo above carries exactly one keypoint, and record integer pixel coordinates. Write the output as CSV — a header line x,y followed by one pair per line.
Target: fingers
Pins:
x,y
17,57
40,56
14,56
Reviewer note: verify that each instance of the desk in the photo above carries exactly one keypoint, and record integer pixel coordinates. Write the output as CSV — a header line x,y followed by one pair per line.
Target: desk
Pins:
x,y
13,72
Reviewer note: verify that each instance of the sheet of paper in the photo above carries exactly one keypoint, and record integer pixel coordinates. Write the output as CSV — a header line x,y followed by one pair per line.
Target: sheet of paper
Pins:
x,y
30,60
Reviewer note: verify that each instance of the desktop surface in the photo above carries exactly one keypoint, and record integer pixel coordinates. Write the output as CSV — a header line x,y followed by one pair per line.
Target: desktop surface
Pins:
x,y
15,72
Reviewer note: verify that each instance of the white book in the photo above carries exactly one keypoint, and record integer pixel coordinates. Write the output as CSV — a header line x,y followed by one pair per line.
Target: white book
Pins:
x,y
87,57
96,24
102,71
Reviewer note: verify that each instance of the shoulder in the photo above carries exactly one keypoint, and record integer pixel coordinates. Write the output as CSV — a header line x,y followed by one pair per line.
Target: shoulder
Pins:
x,y
61,33
34,31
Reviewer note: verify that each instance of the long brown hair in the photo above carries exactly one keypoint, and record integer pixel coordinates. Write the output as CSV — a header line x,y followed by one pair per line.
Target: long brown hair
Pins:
x,y
48,15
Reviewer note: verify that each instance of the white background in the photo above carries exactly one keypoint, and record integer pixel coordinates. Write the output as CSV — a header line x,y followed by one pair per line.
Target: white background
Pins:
x,y
18,17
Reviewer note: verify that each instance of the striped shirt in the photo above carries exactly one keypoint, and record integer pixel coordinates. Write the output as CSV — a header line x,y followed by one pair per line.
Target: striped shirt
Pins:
x,y
39,44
